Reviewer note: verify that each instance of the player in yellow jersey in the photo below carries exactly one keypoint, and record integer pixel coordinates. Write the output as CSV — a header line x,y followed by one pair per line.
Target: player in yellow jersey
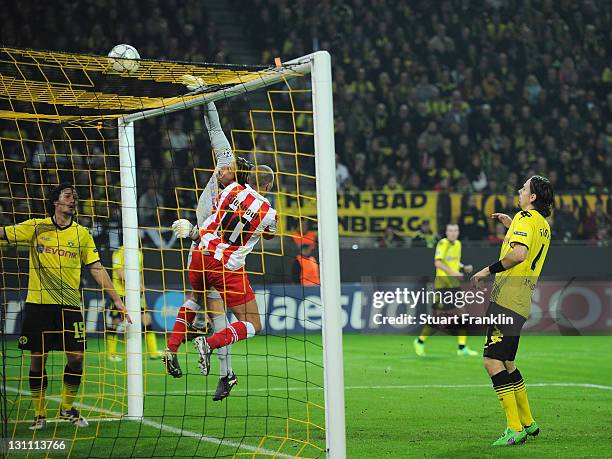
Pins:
x,y
522,256
447,260
115,316
53,315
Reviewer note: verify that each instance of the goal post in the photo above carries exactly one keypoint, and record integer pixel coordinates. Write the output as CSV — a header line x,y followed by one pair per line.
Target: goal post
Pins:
x,y
318,65
323,114
131,244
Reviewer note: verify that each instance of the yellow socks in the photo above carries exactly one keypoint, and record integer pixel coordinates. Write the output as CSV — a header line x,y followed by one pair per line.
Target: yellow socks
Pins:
x,y
70,388
151,342
520,394
425,333
504,388
111,342
38,387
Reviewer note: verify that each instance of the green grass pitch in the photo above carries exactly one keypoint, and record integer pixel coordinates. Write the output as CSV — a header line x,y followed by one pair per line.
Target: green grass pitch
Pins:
x,y
398,405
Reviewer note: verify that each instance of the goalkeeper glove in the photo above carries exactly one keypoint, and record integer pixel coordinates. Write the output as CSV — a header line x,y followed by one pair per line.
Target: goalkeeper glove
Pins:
x,y
193,83
244,167
183,229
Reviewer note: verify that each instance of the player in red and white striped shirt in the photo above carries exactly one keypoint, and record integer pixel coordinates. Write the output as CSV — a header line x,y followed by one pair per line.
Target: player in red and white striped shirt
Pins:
x,y
241,217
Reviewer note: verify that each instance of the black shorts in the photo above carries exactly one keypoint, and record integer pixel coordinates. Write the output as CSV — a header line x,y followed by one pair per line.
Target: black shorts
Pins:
x,y
503,339
52,327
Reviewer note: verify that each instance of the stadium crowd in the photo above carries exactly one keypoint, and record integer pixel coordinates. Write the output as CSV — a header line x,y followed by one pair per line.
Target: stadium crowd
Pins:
x,y
465,96
460,95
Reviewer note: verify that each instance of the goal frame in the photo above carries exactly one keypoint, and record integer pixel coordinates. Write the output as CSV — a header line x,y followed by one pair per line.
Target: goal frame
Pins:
x,y
318,65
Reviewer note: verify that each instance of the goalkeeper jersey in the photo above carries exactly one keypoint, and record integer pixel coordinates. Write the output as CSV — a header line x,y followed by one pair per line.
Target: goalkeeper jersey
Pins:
x,y
448,253
513,287
240,219
56,255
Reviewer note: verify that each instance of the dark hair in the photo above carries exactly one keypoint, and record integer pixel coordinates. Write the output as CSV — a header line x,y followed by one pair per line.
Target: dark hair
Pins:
x,y
243,168
54,195
545,196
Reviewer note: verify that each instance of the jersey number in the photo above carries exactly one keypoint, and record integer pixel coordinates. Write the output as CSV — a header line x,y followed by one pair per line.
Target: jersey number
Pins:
x,y
537,258
232,227
79,329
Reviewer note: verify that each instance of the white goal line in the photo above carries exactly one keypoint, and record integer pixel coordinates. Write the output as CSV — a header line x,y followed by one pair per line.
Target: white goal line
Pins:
x,y
160,426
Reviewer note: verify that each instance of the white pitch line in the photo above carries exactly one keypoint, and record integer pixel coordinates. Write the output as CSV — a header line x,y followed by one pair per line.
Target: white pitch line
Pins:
x,y
389,387
381,387
25,421
167,428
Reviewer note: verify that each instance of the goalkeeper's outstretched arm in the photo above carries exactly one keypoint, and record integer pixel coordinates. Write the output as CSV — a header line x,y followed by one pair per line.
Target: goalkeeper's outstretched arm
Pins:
x,y
218,140
225,168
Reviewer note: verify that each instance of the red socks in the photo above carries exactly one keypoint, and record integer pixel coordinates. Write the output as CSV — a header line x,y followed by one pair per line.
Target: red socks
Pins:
x,y
235,332
184,317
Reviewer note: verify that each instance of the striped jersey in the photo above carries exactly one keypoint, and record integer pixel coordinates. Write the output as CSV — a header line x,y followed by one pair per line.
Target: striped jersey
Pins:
x,y
240,218
208,198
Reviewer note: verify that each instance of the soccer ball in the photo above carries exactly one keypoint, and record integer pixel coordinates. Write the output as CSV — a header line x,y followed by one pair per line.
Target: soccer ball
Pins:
x,y
125,58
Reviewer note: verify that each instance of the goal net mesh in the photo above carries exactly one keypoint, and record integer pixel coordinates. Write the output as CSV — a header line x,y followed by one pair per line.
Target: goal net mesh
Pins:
x,y
58,123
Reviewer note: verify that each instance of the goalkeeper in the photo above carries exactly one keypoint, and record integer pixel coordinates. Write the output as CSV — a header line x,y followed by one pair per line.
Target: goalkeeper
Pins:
x,y
228,169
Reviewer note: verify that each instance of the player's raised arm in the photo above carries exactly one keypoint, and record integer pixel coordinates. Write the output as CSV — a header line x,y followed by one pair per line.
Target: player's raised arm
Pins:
x,y
218,140
221,146
503,218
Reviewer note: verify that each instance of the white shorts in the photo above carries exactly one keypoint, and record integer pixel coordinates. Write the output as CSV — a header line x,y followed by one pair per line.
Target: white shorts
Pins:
x,y
212,293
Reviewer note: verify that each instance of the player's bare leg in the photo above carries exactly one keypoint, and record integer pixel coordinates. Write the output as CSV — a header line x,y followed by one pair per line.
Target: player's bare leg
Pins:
x,y
248,325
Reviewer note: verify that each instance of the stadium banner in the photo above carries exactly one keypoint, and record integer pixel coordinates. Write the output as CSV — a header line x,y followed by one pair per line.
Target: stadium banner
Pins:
x,y
367,213
581,204
558,307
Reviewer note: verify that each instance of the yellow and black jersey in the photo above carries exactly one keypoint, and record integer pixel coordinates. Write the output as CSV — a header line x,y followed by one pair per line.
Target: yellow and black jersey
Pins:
x,y
450,254
56,256
119,264
512,288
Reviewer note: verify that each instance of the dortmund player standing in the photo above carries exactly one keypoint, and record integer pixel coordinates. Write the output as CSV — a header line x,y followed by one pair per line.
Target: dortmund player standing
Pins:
x,y
447,261
53,316
522,256
115,313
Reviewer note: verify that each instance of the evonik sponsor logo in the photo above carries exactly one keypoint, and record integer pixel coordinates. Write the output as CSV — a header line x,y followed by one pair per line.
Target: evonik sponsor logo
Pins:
x,y
55,251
